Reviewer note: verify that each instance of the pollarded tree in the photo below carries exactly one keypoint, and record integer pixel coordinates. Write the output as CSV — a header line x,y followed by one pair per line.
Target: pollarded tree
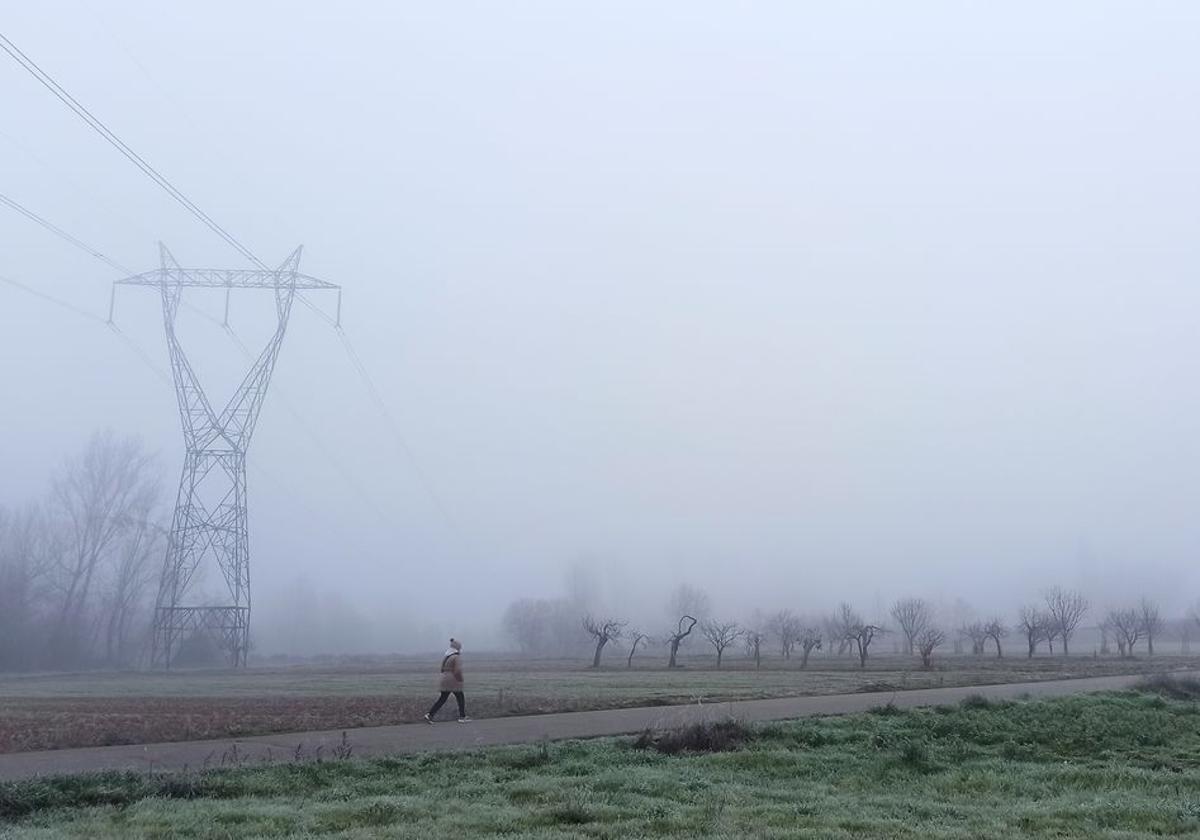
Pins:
x,y
603,630
864,634
809,640
754,642
929,639
1105,632
976,631
784,627
858,632
912,616
841,626
1066,608
675,638
996,630
1126,625
1152,622
721,634
637,637
835,635
1032,623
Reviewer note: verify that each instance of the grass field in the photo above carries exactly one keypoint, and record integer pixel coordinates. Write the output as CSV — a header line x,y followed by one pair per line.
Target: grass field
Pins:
x,y
50,711
1102,766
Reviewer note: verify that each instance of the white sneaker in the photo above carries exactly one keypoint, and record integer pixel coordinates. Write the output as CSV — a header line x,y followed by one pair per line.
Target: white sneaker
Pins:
x,y
428,720
464,720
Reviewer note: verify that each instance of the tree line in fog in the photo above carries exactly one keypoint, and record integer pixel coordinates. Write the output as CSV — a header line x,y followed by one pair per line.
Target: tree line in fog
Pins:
x,y
79,569
560,627
78,566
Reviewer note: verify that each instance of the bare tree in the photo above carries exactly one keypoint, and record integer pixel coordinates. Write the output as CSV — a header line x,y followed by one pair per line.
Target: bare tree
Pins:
x,y
674,639
809,639
961,614
29,549
1105,632
754,642
784,628
834,632
132,573
912,616
844,623
602,630
525,621
637,637
721,634
98,497
929,639
545,627
1127,627
976,632
860,633
1032,623
1066,608
996,630
1152,622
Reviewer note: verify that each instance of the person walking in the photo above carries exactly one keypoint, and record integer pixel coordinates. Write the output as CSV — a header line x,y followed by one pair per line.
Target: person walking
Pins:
x,y
450,682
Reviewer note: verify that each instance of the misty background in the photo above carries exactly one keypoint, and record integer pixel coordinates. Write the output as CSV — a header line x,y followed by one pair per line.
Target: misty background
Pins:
x,y
798,304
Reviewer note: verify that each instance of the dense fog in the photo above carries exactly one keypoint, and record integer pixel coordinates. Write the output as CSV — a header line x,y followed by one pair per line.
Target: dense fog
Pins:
x,y
796,304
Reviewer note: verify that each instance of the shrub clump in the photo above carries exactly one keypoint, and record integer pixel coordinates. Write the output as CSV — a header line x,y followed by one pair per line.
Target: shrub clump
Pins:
x,y
976,701
706,737
1173,688
114,789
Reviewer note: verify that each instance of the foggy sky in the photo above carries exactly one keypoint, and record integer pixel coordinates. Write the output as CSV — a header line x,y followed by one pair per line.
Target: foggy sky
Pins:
x,y
802,302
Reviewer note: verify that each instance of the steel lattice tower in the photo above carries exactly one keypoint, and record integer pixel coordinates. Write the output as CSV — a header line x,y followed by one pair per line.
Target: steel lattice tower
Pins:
x,y
210,522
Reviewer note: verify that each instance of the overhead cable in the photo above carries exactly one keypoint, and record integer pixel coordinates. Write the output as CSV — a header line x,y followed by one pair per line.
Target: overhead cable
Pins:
x,y
137,160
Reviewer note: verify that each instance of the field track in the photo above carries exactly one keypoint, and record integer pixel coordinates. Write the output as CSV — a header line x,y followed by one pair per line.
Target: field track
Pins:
x,y
411,738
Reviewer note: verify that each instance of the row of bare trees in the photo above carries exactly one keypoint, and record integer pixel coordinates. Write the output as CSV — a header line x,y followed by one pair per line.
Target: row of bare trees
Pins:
x,y
720,634
77,567
1056,619
791,633
1129,625
1053,621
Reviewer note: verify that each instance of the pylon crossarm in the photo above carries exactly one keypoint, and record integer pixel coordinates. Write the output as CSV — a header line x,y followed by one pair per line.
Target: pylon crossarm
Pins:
x,y
212,278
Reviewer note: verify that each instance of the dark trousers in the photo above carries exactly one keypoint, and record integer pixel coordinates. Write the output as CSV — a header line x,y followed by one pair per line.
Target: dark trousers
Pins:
x,y
441,701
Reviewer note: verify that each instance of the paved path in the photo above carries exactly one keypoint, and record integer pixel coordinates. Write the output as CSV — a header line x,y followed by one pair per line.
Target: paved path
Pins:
x,y
421,737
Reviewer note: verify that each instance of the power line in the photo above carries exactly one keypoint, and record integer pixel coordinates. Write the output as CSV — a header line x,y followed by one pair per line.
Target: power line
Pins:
x,y
395,430
91,316
143,355
389,419
111,263
137,160
137,349
62,234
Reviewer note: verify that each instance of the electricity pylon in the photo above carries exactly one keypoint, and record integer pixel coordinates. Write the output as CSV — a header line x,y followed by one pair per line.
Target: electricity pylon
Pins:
x,y
210,523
